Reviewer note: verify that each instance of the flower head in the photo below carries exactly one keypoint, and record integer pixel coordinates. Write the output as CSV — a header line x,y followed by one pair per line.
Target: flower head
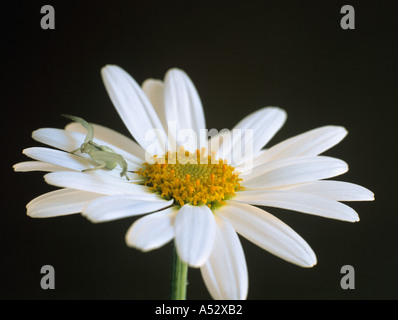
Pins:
x,y
196,190
191,179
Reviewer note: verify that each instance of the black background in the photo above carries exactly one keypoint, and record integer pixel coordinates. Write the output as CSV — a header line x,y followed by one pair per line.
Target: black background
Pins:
x,y
241,55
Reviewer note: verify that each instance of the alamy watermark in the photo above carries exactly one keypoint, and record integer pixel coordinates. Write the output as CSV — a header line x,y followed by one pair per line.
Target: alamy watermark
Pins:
x,y
348,20
48,280
235,146
48,19
348,280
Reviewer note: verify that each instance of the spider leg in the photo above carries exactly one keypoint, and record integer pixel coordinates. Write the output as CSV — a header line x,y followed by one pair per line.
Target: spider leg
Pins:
x,y
101,165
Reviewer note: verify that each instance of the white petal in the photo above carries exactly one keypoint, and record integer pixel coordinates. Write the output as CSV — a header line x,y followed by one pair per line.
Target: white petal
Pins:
x,y
111,137
59,158
195,231
99,182
310,143
264,124
298,201
134,108
154,90
269,233
293,171
121,206
59,202
225,273
336,190
152,231
281,163
71,140
183,106
58,138
27,166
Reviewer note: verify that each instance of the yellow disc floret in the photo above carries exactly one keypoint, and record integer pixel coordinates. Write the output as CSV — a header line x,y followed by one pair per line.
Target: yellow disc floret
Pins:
x,y
194,178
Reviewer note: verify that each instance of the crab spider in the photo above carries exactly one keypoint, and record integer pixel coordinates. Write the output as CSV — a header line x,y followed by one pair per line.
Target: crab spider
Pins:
x,y
104,156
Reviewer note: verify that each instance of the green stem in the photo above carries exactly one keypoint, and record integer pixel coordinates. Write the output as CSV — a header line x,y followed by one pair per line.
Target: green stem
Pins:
x,y
179,278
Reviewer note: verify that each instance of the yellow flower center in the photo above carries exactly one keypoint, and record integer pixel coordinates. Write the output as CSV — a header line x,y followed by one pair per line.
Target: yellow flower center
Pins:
x,y
194,178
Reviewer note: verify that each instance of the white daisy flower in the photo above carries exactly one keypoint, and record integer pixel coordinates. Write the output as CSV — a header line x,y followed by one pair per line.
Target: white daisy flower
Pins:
x,y
201,205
